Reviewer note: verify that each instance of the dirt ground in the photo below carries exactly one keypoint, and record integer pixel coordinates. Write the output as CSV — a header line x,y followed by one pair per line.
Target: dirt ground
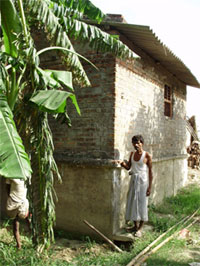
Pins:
x,y
193,176
68,249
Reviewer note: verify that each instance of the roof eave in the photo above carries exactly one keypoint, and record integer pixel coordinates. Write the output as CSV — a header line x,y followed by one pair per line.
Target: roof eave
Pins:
x,y
153,46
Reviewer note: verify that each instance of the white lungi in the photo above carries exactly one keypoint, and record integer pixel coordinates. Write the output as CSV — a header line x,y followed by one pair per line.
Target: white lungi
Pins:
x,y
137,201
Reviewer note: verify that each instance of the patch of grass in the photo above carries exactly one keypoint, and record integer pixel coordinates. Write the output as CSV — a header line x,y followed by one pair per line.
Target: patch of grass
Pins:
x,y
107,259
160,224
185,202
5,223
89,242
141,243
173,209
165,262
170,254
114,258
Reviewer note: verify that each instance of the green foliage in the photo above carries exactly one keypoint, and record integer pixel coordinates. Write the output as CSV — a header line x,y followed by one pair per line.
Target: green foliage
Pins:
x,y
41,12
90,34
62,77
173,209
161,224
79,8
11,26
90,242
184,203
14,162
52,101
187,200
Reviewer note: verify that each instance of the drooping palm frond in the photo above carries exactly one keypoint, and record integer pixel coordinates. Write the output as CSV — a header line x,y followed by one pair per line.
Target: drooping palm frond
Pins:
x,y
44,15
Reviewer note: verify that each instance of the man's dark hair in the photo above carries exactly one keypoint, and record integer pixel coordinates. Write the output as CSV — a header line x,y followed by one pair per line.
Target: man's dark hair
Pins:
x,y
137,138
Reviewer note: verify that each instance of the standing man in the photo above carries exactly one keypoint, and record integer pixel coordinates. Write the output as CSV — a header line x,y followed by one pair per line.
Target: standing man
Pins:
x,y
140,163
17,206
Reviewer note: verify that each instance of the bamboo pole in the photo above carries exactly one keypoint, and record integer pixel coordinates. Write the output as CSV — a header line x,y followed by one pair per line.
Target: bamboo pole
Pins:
x,y
192,223
142,259
184,221
103,236
153,243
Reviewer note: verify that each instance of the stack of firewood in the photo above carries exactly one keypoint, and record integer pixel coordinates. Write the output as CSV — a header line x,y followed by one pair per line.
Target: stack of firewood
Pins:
x,y
194,155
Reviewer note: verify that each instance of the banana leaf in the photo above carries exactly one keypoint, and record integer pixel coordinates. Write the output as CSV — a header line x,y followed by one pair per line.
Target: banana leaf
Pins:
x,y
11,26
56,78
53,101
81,7
63,77
14,161
44,16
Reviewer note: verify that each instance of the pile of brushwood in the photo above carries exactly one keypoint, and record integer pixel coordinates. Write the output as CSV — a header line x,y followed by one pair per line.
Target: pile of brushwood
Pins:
x,y
194,155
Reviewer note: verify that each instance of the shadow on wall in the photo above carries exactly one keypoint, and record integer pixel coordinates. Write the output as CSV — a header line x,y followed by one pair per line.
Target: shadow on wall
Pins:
x,y
149,122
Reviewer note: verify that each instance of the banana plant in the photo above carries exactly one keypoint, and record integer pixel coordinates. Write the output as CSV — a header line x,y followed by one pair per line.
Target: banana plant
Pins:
x,y
14,161
20,80
28,93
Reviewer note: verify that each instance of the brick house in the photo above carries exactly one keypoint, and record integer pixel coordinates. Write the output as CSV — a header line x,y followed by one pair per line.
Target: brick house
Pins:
x,y
146,96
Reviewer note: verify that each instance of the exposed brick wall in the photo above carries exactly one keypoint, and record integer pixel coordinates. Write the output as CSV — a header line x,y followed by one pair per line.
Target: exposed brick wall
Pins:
x,y
125,99
91,134
140,110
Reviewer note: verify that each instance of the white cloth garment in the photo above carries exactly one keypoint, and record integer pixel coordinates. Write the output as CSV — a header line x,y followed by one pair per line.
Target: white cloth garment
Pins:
x,y
137,200
18,189
17,203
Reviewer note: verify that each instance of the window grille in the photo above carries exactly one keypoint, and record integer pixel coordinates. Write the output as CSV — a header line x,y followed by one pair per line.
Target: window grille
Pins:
x,y
168,101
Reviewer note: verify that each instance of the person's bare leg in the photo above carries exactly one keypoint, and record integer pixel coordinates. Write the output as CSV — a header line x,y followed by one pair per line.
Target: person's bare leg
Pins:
x,y
139,232
135,226
140,225
16,232
28,221
132,228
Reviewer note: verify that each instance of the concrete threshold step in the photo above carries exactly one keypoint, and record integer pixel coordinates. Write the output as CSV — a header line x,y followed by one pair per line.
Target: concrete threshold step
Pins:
x,y
122,235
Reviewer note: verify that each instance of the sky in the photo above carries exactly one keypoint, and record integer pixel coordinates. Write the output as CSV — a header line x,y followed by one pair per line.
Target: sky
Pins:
x,y
176,23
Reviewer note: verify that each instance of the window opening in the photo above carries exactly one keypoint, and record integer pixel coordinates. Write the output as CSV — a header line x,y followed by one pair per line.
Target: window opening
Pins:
x,y
168,101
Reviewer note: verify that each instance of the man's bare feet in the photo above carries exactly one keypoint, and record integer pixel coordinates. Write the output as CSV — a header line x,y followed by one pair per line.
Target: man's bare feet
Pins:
x,y
131,228
19,246
138,233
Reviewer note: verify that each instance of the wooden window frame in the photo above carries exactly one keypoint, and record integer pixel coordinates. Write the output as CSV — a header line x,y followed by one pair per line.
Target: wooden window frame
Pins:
x,y
168,101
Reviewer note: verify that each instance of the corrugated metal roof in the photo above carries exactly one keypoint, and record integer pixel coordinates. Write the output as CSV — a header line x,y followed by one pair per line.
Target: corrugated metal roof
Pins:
x,y
145,39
